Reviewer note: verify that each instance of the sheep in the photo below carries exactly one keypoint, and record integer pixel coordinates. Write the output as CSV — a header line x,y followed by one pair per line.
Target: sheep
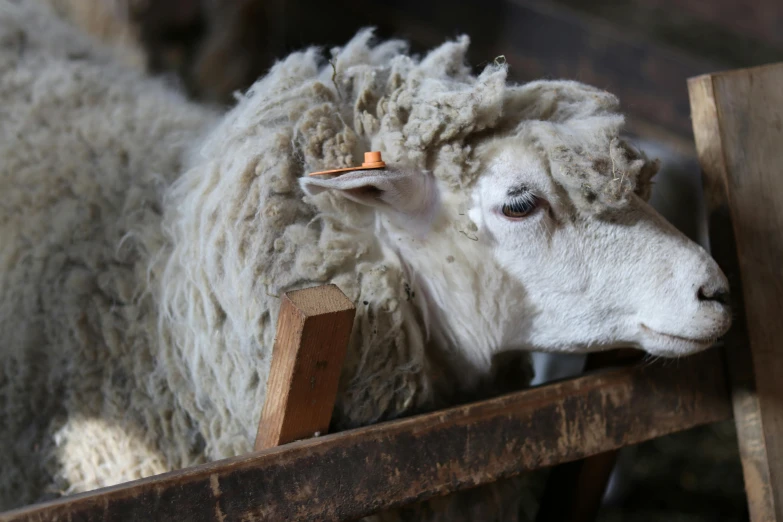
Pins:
x,y
146,240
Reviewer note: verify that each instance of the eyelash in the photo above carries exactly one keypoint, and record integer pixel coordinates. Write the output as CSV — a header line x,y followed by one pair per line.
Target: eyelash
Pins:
x,y
521,206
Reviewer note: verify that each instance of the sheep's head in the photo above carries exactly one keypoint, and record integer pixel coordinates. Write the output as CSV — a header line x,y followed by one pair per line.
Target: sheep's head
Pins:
x,y
595,275
539,267
522,214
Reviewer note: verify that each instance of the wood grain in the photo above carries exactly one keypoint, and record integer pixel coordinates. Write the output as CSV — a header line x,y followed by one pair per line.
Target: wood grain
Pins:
x,y
313,330
343,476
737,119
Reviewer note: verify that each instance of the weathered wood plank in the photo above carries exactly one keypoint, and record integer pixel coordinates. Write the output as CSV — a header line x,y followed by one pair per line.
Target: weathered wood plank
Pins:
x,y
313,329
346,475
739,137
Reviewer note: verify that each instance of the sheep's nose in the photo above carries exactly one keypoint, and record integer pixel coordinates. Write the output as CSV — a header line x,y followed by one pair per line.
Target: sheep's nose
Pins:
x,y
714,293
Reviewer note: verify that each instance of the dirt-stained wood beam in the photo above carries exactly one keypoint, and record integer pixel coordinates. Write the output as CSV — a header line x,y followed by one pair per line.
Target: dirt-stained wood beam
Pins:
x,y
738,124
313,329
347,475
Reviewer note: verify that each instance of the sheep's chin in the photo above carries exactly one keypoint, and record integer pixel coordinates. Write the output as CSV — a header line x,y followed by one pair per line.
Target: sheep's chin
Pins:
x,y
669,345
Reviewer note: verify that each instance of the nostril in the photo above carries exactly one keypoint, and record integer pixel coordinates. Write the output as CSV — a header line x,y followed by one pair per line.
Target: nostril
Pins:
x,y
719,294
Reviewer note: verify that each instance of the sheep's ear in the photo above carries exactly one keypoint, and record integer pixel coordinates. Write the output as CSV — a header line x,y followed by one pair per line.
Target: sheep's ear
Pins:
x,y
408,192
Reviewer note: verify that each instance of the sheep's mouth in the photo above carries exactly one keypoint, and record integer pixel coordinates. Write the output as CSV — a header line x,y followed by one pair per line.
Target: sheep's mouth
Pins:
x,y
702,341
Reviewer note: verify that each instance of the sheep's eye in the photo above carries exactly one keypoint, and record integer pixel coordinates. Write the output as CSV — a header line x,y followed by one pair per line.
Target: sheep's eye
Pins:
x,y
521,206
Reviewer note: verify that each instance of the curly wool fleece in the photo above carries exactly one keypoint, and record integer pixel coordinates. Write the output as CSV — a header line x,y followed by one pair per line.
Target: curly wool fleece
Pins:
x,y
140,273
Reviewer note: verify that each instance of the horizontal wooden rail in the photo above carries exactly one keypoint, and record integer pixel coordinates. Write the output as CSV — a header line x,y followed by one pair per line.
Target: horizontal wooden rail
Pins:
x,y
347,475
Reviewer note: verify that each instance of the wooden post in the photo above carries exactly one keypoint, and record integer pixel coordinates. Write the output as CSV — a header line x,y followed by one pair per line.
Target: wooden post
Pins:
x,y
313,330
738,124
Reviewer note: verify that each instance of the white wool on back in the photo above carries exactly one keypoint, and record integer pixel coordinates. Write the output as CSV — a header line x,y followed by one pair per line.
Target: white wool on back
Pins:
x,y
86,149
144,243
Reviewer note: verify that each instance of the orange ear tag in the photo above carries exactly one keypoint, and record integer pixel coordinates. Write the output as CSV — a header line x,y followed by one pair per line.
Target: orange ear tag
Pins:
x,y
372,160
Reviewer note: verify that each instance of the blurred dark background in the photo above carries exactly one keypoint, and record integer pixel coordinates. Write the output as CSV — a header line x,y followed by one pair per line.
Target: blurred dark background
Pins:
x,y
642,50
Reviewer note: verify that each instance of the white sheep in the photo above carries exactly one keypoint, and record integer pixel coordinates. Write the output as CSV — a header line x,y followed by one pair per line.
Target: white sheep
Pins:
x,y
144,242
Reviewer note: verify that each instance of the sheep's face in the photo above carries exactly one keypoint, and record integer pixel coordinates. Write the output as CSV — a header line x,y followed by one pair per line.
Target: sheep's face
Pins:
x,y
623,276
